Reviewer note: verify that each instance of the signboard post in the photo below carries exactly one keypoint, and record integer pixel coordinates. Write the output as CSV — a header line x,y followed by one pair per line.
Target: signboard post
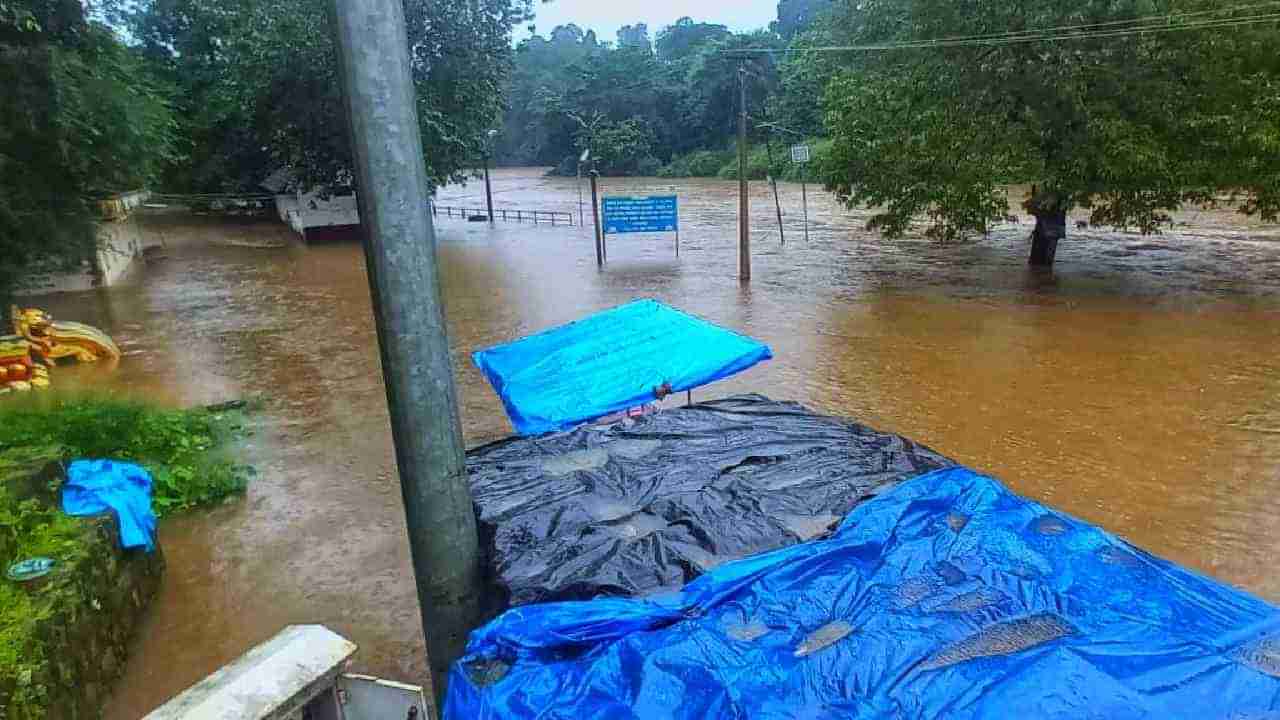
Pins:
x,y
649,214
800,156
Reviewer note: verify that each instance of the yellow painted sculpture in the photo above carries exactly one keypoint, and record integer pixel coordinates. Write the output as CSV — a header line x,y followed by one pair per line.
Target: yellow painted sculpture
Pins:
x,y
39,342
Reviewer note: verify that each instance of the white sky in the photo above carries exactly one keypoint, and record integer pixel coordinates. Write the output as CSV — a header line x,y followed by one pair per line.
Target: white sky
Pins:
x,y
606,16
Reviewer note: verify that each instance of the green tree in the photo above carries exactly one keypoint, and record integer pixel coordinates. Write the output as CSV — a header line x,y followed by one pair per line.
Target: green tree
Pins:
x,y
80,116
1128,127
260,91
679,40
795,16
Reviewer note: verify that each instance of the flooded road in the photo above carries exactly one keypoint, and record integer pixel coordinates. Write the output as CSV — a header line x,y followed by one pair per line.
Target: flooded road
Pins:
x,y
1138,386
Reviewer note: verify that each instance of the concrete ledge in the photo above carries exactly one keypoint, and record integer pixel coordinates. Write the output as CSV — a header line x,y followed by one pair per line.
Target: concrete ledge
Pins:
x,y
270,682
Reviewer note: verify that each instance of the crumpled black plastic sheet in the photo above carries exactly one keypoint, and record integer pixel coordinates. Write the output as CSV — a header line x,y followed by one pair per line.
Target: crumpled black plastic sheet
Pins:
x,y
648,504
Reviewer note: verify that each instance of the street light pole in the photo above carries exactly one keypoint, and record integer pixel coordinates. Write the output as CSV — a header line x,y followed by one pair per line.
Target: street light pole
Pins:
x,y
400,252
488,191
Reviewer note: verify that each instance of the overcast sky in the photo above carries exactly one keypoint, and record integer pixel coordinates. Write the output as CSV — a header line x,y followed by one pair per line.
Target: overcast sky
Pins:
x,y
606,16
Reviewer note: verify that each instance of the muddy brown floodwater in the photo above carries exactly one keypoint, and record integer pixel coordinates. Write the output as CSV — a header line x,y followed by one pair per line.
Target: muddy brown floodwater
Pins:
x,y
1138,386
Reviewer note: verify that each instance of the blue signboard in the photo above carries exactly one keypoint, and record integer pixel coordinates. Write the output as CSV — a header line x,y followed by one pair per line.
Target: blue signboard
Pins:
x,y
656,213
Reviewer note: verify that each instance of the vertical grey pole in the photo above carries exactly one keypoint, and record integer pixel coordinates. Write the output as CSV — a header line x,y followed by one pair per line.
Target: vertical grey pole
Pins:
x,y
744,229
581,221
782,238
399,244
488,192
595,219
804,199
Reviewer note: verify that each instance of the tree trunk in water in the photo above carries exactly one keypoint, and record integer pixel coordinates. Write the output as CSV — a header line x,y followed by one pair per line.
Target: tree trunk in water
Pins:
x,y
1051,226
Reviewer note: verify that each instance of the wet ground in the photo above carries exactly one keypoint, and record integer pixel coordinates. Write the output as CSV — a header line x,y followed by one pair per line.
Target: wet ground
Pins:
x,y
1137,386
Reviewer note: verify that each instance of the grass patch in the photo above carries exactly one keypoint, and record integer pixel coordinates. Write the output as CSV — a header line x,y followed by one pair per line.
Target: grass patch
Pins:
x,y
183,449
29,528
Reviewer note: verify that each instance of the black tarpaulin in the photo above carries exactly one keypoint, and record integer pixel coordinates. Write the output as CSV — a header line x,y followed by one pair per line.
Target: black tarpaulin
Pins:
x,y
650,503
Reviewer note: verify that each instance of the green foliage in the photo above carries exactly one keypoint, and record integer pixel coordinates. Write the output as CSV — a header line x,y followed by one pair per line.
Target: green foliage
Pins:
x,y
684,37
685,94
28,529
699,163
80,116
794,16
259,89
623,148
1129,127
723,164
179,447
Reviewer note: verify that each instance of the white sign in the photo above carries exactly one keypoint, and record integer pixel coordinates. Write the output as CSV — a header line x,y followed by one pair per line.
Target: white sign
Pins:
x,y
799,153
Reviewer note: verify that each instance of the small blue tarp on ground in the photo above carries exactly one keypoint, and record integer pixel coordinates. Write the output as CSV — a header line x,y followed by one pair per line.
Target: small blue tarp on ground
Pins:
x,y
946,597
95,486
610,361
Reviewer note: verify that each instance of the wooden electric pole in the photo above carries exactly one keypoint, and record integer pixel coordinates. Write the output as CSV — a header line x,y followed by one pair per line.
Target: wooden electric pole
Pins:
x,y
400,251
744,228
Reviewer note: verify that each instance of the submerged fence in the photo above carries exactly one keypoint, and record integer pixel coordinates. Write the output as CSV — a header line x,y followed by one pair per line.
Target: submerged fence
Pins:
x,y
547,217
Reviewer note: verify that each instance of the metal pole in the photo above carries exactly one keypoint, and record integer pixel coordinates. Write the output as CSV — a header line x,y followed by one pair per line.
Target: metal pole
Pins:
x,y
488,192
804,200
581,220
595,218
744,230
399,244
781,237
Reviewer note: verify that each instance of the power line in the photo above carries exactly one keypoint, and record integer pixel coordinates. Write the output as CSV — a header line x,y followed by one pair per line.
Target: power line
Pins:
x,y
1138,22
1017,39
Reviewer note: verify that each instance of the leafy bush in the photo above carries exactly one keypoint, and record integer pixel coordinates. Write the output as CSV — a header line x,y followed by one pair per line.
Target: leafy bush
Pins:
x,y
179,447
701,163
758,162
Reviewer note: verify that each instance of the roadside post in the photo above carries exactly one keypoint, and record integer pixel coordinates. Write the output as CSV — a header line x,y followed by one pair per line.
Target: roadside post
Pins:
x,y
583,158
595,218
399,245
800,156
744,229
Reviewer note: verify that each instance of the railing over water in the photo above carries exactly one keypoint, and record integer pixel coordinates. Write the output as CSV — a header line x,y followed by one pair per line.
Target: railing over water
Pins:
x,y
551,217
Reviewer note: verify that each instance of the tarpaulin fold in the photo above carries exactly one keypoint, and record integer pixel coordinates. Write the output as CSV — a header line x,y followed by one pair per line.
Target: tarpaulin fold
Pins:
x,y
96,486
947,596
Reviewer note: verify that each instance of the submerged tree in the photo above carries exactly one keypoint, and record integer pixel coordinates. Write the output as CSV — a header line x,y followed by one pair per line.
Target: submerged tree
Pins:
x,y
1129,126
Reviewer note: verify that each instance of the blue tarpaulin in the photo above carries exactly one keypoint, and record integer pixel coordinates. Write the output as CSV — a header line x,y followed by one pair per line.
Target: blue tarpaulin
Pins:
x,y
946,597
96,486
610,361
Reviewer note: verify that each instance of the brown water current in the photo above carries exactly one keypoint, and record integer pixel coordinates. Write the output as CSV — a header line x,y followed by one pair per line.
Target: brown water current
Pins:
x,y
1137,386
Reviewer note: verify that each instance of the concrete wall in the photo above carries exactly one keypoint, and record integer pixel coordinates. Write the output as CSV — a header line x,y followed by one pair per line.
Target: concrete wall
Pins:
x,y
120,246
88,608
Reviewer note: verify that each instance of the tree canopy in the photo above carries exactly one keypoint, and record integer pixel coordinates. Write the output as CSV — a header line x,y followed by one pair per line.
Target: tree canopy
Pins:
x,y
1128,127
80,116
661,99
258,85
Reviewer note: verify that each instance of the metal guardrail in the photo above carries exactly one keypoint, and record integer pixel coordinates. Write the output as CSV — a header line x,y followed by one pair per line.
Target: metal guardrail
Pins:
x,y
225,203
551,217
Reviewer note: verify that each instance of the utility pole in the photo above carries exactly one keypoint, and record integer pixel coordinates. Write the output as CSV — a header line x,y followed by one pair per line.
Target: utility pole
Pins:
x,y
488,192
399,245
804,199
744,229
595,219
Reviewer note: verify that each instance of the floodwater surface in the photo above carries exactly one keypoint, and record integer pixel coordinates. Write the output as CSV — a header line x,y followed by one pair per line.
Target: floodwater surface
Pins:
x,y
1137,386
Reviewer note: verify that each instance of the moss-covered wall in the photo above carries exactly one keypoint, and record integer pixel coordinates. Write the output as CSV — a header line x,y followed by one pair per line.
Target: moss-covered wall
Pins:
x,y
64,638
